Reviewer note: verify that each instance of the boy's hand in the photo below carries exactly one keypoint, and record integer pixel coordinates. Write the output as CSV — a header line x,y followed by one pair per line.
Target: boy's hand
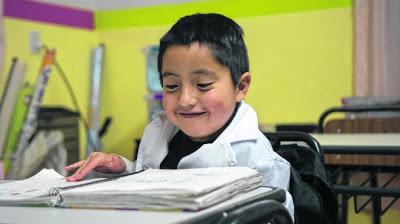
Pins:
x,y
97,161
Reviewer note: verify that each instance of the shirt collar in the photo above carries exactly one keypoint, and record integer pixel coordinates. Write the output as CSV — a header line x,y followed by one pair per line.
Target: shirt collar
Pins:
x,y
243,127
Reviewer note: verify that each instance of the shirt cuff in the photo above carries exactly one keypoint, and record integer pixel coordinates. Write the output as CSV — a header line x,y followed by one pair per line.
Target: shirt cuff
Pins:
x,y
129,165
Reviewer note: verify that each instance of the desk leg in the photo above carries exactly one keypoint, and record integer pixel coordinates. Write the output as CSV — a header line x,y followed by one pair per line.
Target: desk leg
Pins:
x,y
345,208
342,179
376,202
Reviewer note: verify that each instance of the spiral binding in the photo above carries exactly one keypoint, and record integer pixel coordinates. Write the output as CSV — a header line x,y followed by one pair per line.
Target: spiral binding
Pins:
x,y
55,192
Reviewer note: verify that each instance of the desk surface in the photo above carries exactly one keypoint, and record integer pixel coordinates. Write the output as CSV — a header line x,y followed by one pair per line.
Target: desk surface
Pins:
x,y
360,149
342,139
99,216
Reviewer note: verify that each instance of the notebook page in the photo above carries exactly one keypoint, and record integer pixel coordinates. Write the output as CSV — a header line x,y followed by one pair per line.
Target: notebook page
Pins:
x,y
171,182
35,186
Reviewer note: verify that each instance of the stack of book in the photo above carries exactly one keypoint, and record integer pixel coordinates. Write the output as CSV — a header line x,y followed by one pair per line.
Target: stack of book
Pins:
x,y
187,189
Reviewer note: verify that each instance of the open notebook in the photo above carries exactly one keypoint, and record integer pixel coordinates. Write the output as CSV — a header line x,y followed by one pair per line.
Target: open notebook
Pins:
x,y
189,189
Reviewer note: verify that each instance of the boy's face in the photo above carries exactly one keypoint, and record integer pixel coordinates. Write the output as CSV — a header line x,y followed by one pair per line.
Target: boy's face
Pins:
x,y
198,93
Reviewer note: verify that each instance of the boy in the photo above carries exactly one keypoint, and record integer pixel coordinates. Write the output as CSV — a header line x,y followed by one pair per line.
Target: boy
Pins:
x,y
204,71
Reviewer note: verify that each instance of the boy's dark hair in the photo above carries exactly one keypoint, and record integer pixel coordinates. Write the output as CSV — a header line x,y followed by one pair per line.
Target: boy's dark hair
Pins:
x,y
221,34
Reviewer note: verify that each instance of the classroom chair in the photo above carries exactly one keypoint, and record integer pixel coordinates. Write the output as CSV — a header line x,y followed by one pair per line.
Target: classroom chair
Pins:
x,y
313,197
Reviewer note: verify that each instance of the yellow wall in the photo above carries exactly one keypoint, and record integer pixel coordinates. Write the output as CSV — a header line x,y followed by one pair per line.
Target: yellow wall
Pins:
x,y
300,62
73,54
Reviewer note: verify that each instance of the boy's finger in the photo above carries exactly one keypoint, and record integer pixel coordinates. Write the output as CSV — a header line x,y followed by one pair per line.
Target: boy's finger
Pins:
x,y
88,166
74,166
80,173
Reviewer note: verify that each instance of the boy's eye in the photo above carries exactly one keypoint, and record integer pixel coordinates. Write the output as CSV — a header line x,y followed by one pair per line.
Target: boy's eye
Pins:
x,y
171,87
204,86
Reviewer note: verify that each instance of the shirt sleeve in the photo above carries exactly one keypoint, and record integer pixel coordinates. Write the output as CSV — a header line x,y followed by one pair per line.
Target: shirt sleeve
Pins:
x,y
129,165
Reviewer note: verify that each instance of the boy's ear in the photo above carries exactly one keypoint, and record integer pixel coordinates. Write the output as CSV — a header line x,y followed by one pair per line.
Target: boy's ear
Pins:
x,y
243,86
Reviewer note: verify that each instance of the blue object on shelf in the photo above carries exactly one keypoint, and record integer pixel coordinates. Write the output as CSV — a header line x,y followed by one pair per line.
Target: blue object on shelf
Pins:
x,y
153,80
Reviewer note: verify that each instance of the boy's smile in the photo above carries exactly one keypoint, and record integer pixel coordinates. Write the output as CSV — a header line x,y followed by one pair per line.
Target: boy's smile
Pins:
x,y
191,115
199,96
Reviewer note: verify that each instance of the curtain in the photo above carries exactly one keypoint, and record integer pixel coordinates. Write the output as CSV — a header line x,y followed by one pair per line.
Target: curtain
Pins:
x,y
377,48
1,39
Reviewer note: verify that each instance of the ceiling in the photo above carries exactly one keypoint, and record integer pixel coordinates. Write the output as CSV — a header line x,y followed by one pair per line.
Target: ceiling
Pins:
x,y
98,5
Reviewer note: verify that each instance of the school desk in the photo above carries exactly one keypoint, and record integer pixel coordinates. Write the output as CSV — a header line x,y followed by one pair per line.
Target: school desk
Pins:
x,y
363,165
370,149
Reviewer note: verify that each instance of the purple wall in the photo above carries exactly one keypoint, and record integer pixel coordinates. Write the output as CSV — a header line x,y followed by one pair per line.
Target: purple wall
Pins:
x,y
49,13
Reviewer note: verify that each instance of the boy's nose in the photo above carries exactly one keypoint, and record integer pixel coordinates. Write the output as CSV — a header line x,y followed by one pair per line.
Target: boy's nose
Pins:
x,y
187,98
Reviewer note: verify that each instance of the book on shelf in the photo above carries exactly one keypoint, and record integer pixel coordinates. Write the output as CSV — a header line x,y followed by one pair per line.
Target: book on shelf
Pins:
x,y
187,189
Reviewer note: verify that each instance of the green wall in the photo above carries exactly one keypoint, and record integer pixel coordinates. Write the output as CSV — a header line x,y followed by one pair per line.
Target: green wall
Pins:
x,y
168,14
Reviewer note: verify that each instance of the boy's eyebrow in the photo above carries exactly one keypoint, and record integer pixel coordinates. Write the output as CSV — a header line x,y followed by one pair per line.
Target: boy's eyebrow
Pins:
x,y
166,74
204,72
196,72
